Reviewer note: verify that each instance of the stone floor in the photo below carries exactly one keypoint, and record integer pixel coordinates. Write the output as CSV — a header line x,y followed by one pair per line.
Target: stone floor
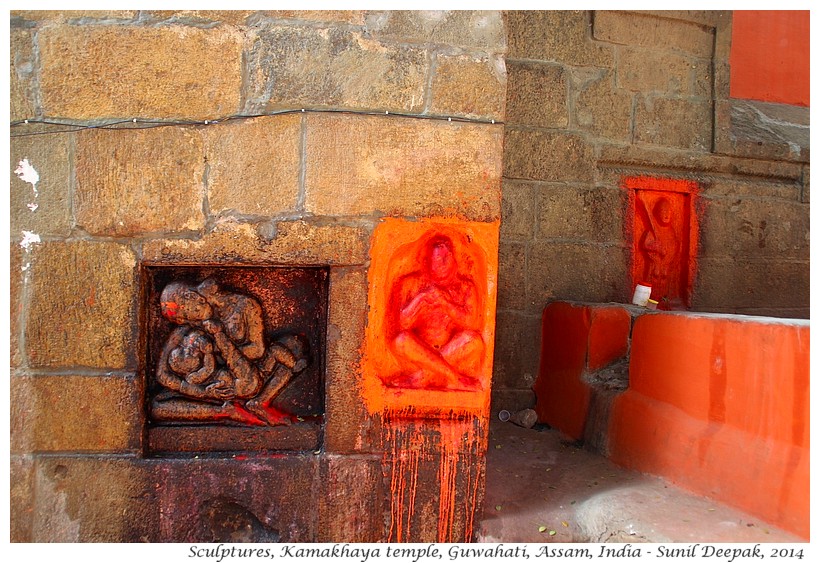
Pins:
x,y
543,489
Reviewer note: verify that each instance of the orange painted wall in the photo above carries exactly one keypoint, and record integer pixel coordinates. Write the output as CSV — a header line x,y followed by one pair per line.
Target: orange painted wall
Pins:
x,y
769,58
720,405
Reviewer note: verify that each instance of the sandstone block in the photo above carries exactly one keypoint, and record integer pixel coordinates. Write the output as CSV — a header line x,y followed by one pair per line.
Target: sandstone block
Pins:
x,y
481,29
742,187
559,36
91,499
578,272
347,70
594,214
517,346
254,165
728,284
362,165
547,155
21,69
806,189
353,17
65,15
16,275
653,32
600,107
81,305
286,242
537,95
754,228
469,86
23,409
681,123
512,276
45,206
141,181
21,501
167,72
352,502
231,17
84,413
518,203
665,72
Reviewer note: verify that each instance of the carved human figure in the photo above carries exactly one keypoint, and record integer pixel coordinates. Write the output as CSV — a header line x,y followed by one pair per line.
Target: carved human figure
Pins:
x,y
661,248
216,362
436,324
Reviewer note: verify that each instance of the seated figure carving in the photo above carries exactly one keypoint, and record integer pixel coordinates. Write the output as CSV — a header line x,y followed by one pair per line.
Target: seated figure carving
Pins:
x,y
436,324
215,365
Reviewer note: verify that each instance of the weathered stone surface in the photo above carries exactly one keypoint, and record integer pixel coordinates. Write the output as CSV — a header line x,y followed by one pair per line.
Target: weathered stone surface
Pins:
x,y
600,107
65,15
727,284
517,349
354,17
547,155
517,210
673,122
469,86
512,400
21,69
82,299
578,272
464,28
665,72
806,190
137,182
88,499
595,214
708,18
44,208
560,36
352,500
630,28
84,413
742,187
254,165
286,242
263,499
768,131
346,69
152,72
231,17
755,228
16,276
512,276
537,94
347,425
21,502
361,165
23,406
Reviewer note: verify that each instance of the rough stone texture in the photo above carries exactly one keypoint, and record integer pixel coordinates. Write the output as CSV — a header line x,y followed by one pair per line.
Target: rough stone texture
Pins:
x,y
512,276
805,192
726,284
21,501
82,299
84,499
65,15
287,242
22,403
167,72
511,400
594,214
254,165
346,420
231,17
518,208
600,107
362,165
85,413
136,182
582,272
547,155
21,75
766,131
559,36
354,17
517,348
263,499
537,94
347,70
755,228
16,277
743,187
658,33
470,86
351,503
49,155
465,28
681,123
666,72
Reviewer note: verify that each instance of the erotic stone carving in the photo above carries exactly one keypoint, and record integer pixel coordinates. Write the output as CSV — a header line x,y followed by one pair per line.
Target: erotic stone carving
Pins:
x,y
215,365
436,324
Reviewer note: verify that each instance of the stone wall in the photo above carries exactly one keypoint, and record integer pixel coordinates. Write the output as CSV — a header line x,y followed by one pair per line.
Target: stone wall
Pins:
x,y
594,97
161,138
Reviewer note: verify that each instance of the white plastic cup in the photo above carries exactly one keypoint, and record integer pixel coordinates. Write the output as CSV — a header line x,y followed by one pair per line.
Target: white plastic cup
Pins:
x,y
641,295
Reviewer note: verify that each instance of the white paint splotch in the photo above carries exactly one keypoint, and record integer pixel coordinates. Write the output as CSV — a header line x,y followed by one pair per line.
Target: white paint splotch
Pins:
x,y
27,173
29,238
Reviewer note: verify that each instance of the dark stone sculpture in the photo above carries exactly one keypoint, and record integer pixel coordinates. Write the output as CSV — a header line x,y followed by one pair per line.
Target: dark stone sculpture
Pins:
x,y
215,365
